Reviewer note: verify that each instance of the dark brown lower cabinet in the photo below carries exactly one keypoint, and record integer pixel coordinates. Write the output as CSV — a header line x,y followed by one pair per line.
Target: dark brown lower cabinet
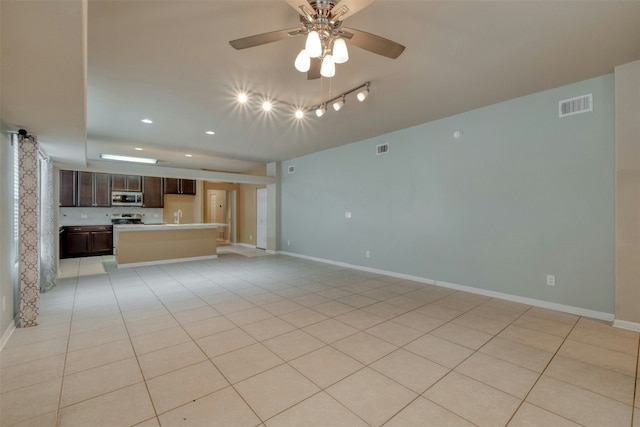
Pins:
x,y
82,241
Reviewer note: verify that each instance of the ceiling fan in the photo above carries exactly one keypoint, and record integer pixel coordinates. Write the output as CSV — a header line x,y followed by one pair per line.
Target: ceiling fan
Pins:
x,y
321,21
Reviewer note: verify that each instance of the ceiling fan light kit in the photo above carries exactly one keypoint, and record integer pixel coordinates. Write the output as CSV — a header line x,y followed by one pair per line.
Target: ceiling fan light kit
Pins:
x,y
303,61
326,42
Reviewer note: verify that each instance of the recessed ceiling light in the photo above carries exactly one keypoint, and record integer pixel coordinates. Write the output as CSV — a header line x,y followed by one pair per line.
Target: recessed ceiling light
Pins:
x,y
299,114
138,149
242,98
210,132
188,155
266,106
127,158
147,121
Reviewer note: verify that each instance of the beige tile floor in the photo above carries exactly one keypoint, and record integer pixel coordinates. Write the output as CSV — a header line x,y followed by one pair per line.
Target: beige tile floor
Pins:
x,y
278,341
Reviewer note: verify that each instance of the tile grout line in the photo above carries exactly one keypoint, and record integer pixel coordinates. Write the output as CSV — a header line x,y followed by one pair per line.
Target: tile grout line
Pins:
x,y
64,366
542,373
208,359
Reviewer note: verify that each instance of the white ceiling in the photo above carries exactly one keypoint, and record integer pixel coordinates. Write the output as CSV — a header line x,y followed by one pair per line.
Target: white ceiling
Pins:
x,y
171,61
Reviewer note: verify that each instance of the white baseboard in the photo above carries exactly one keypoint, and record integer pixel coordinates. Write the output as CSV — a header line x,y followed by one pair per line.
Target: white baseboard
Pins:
x,y
623,324
509,297
165,261
4,339
245,245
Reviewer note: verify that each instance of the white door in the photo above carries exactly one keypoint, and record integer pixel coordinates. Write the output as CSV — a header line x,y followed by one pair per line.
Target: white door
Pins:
x,y
212,208
261,231
232,196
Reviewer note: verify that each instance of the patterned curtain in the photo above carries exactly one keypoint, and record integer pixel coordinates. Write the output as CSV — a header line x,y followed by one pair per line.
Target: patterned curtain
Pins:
x,y
47,226
29,303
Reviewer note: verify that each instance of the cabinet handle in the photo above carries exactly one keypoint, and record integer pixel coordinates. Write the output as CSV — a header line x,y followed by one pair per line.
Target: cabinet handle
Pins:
x,y
77,229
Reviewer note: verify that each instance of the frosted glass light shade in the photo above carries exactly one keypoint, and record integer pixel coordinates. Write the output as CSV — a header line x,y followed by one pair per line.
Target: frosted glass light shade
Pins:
x,y
340,52
328,68
313,45
321,110
303,61
362,95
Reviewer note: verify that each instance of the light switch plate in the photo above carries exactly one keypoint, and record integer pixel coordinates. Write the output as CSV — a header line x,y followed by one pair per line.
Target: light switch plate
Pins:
x,y
347,215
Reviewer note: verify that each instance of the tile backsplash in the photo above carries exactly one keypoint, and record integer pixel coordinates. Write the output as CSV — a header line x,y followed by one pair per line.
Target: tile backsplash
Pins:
x,y
102,216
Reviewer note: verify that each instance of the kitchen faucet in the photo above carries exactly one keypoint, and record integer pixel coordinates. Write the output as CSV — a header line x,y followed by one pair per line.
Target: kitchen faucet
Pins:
x,y
178,215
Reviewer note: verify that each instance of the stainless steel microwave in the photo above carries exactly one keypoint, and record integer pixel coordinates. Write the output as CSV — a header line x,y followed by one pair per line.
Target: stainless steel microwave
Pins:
x,y
126,198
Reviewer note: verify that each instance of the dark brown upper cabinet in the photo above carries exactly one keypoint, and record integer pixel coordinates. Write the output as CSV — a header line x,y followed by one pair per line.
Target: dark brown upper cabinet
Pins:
x,y
94,189
126,183
152,196
68,188
179,186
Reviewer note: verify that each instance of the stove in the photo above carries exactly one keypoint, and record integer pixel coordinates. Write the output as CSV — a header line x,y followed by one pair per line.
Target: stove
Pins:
x,y
126,218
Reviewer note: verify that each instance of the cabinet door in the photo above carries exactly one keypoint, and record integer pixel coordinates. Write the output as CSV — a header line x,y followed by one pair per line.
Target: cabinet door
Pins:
x,y
134,183
67,187
126,182
102,189
171,186
78,243
119,182
152,192
188,186
101,242
85,189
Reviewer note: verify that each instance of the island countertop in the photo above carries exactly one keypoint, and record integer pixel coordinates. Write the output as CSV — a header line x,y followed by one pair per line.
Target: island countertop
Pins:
x,y
158,227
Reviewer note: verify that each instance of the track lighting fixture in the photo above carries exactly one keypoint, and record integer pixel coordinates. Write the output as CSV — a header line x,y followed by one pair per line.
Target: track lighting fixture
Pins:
x,y
337,102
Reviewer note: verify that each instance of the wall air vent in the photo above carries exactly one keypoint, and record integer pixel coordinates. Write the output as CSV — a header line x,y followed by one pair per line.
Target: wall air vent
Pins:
x,y
382,149
578,105
291,169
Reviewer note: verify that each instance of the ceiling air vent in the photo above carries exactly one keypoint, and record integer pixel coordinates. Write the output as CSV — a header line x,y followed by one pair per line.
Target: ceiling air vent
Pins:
x,y
578,105
382,149
291,169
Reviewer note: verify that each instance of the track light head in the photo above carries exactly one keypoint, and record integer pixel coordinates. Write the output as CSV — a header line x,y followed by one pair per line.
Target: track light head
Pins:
x,y
321,110
362,95
338,104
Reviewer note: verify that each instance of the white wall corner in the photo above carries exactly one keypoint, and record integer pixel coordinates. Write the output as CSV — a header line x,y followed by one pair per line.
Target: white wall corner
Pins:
x,y
623,324
7,334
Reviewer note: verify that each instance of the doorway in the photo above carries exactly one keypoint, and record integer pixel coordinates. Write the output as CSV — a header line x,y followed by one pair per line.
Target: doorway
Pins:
x,y
218,211
261,226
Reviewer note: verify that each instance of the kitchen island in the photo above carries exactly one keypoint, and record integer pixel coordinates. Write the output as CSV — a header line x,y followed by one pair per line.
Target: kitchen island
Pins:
x,y
148,244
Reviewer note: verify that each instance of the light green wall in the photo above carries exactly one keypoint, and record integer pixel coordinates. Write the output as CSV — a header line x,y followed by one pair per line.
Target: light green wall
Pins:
x,y
521,195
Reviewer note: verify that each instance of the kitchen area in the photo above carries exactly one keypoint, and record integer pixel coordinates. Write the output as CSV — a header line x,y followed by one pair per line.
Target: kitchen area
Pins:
x,y
139,220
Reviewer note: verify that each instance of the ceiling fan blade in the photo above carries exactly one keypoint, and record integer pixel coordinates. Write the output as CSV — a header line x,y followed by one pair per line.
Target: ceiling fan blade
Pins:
x,y
353,6
314,70
302,7
260,39
375,44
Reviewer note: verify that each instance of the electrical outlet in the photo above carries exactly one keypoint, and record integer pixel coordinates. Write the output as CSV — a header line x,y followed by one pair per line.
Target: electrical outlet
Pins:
x,y
367,254
4,303
551,280
83,216
288,242
347,215
250,236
